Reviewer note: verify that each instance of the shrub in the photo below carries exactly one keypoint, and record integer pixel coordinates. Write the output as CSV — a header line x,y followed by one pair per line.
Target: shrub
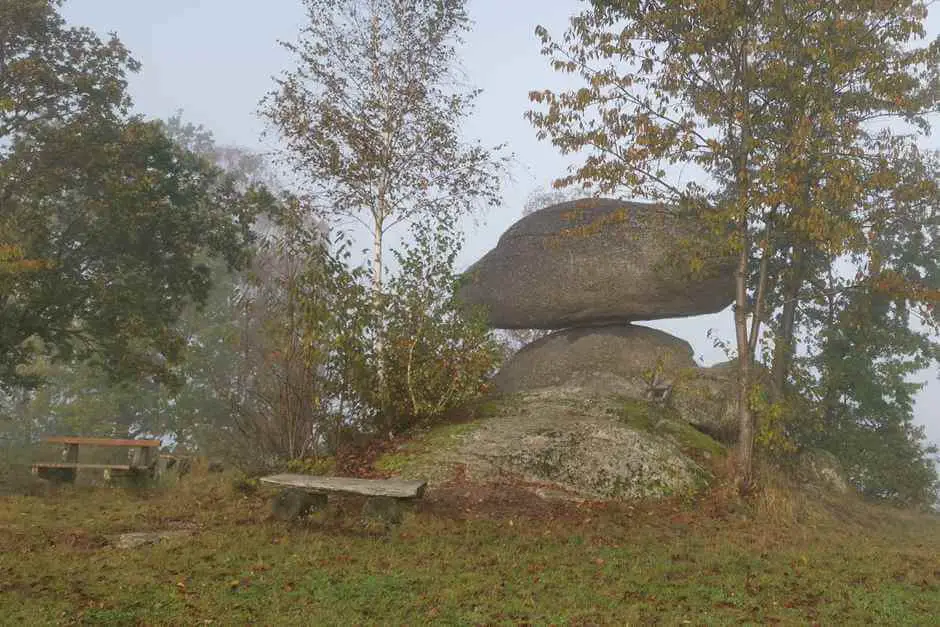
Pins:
x,y
436,355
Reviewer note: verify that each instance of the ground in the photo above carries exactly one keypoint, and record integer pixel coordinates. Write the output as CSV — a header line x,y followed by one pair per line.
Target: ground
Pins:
x,y
466,554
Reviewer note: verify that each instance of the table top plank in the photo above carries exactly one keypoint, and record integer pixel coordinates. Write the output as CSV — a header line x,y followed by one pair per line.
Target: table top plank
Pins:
x,y
101,441
79,466
397,488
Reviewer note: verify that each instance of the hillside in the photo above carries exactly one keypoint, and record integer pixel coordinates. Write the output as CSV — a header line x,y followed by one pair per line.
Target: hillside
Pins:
x,y
467,554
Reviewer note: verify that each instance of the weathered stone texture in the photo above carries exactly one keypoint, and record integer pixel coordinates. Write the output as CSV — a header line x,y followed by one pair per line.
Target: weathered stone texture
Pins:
x,y
573,443
625,359
596,261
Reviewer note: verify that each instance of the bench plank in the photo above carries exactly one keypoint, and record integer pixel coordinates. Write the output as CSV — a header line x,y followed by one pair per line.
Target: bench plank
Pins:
x,y
101,441
81,466
396,488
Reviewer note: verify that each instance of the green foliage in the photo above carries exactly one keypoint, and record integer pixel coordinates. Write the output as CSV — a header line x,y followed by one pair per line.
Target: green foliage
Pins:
x,y
304,369
780,107
437,355
371,121
102,217
866,357
77,397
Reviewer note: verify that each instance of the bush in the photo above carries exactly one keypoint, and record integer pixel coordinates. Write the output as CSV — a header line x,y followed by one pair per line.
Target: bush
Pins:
x,y
327,361
436,355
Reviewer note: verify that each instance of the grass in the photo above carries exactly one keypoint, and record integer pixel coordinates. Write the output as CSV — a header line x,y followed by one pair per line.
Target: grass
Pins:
x,y
467,555
653,418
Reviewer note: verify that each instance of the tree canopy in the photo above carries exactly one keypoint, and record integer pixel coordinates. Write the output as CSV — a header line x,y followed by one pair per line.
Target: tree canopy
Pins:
x,y
102,217
785,109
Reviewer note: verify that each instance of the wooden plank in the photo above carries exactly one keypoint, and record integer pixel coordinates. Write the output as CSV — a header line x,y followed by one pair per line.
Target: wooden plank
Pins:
x,y
101,441
80,466
396,488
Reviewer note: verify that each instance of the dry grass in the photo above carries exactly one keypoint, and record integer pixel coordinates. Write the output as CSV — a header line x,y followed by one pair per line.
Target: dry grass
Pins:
x,y
467,554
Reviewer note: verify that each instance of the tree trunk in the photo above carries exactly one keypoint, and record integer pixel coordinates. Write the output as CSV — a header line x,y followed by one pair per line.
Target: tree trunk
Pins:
x,y
746,427
783,342
746,422
378,320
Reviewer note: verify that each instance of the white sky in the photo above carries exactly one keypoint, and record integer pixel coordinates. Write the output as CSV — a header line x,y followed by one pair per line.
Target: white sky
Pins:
x,y
215,59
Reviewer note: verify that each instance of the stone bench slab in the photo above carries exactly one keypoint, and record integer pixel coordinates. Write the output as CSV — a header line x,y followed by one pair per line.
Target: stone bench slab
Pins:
x,y
395,488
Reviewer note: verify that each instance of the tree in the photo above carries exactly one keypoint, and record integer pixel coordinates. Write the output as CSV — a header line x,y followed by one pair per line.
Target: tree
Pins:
x,y
102,217
438,355
371,115
775,104
863,352
371,119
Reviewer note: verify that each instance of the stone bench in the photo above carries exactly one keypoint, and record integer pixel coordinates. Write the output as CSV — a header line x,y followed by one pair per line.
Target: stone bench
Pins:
x,y
305,493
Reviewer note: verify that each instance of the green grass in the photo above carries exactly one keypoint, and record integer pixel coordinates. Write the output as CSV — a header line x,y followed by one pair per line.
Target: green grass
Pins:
x,y
468,556
413,454
655,419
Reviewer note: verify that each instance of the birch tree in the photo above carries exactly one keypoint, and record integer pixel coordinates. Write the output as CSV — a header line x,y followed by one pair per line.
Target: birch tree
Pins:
x,y
371,115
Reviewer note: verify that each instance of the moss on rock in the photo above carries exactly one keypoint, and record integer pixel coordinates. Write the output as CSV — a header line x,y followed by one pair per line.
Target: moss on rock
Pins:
x,y
594,446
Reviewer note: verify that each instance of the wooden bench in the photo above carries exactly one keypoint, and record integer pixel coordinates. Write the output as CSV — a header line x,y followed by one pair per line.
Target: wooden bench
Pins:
x,y
142,457
305,493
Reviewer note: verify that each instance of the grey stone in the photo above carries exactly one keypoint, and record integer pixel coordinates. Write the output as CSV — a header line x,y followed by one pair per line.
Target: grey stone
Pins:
x,y
293,503
385,509
597,261
625,359
572,444
350,485
822,469
707,398
138,539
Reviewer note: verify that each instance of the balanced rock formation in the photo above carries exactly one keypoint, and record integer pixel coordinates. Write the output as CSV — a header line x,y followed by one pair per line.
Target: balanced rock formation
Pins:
x,y
624,359
596,261
587,269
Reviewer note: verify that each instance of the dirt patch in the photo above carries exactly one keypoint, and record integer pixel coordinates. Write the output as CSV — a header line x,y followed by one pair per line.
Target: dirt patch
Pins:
x,y
138,539
499,500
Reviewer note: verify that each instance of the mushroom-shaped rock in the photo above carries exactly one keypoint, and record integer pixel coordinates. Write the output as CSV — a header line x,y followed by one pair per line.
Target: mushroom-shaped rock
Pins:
x,y
625,359
596,261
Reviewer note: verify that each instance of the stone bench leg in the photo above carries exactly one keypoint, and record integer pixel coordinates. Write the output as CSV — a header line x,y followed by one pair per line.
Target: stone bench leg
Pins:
x,y
292,503
385,509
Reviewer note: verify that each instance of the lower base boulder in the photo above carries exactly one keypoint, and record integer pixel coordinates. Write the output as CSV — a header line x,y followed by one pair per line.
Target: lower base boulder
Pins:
x,y
626,359
591,446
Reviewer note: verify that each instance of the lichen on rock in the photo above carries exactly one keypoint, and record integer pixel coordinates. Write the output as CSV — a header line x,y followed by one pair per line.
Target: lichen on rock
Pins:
x,y
588,445
598,260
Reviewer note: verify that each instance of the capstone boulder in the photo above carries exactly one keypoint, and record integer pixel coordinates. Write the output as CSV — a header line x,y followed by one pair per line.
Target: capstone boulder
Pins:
x,y
597,261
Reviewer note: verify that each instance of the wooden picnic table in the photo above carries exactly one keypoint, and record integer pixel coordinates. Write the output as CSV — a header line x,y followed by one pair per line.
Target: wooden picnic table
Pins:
x,y
142,458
